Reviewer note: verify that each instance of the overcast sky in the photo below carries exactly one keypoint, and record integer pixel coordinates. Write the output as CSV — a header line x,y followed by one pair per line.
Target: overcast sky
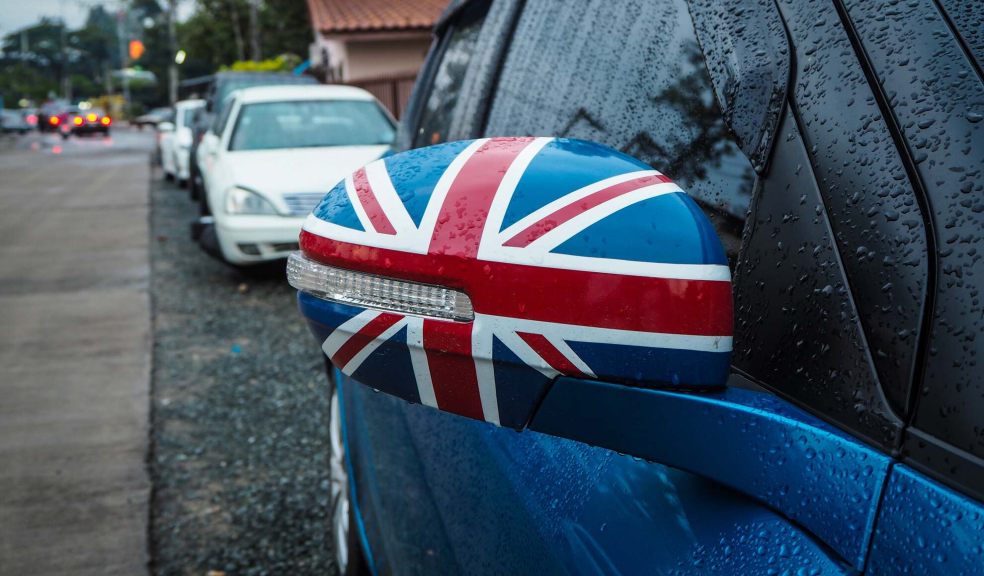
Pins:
x,y
15,14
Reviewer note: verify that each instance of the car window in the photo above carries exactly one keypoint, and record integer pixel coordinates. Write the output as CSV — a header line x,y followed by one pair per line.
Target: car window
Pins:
x,y
457,52
557,79
228,85
222,119
308,124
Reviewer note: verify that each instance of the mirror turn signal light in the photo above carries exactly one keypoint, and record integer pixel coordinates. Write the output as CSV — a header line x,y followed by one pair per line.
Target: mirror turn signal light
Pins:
x,y
372,291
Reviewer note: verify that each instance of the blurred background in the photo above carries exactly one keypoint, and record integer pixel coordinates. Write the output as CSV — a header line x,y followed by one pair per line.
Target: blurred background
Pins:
x,y
161,411
135,55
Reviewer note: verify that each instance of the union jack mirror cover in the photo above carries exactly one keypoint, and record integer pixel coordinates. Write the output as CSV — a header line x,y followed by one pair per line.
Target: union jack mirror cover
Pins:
x,y
468,275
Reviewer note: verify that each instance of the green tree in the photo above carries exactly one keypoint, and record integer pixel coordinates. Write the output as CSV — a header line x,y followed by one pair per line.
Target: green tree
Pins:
x,y
97,49
33,61
285,28
215,36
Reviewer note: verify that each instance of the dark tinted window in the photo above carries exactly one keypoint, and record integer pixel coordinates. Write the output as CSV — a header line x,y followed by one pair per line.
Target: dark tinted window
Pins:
x,y
457,51
629,74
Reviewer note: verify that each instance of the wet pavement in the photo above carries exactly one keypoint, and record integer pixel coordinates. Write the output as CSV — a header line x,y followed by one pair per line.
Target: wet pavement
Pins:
x,y
74,354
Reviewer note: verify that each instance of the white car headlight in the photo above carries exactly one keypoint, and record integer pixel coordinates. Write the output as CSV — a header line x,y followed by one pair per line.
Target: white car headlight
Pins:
x,y
242,201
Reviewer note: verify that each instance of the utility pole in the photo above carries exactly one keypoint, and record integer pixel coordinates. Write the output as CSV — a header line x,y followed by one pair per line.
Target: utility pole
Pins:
x,y
254,32
124,58
172,40
66,83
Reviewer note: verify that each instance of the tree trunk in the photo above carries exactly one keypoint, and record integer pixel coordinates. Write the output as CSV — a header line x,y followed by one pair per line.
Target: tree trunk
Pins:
x,y
237,32
254,32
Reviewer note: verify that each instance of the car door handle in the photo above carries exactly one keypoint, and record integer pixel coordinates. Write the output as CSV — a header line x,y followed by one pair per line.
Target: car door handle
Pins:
x,y
754,442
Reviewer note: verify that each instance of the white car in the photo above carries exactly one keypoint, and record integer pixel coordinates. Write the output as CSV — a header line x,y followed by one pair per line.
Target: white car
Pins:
x,y
271,157
175,140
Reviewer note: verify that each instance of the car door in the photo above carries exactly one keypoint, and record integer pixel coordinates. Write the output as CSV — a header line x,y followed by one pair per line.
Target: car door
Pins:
x,y
927,61
829,297
212,144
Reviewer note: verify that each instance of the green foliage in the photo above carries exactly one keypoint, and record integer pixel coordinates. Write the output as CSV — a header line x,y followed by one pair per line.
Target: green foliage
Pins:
x,y
216,36
282,63
20,80
32,62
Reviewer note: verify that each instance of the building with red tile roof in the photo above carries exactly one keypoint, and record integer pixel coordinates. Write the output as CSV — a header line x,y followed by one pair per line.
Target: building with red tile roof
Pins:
x,y
378,45
353,16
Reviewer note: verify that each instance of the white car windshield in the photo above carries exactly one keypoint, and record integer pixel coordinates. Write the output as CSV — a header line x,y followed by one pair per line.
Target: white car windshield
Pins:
x,y
310,123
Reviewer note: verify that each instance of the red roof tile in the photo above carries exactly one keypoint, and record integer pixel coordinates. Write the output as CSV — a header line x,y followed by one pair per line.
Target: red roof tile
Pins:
x,y
372,15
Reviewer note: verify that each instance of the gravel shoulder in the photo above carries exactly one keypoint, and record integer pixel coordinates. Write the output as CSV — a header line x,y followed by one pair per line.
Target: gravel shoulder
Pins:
x,y
239,414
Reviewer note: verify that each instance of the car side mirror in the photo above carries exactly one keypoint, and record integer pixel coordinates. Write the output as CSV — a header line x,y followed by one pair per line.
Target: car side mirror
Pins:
x,y
470,275
165,127
563,287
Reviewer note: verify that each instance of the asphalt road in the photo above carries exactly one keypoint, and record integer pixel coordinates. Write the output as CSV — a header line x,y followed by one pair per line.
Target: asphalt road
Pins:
x,y
74,354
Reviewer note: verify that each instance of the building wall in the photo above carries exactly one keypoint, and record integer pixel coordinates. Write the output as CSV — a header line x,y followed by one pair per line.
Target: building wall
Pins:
x,y
374,58
385,64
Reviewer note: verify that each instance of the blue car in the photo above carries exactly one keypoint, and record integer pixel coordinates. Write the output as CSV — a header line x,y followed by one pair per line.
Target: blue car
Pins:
x,y
664,287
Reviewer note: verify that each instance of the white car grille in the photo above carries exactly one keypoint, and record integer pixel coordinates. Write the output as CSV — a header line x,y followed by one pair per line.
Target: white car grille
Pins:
x,y
302,203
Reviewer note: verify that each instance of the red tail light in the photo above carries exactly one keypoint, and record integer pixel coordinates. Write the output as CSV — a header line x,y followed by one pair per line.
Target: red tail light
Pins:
x,y
32,119
105,121
54,120
77,120
92,117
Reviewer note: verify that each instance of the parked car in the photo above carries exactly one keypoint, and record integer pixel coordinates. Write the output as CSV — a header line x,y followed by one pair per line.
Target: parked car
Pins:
x,y
175,140
154,117
559,287
216,94
13,121
83,122
270,153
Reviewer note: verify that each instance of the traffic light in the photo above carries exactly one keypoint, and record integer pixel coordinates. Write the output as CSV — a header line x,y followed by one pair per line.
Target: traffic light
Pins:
x,y
136,49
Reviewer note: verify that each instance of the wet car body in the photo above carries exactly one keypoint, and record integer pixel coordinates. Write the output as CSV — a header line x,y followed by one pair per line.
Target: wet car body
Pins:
x,y
175,143
277,144
14,121
837,148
